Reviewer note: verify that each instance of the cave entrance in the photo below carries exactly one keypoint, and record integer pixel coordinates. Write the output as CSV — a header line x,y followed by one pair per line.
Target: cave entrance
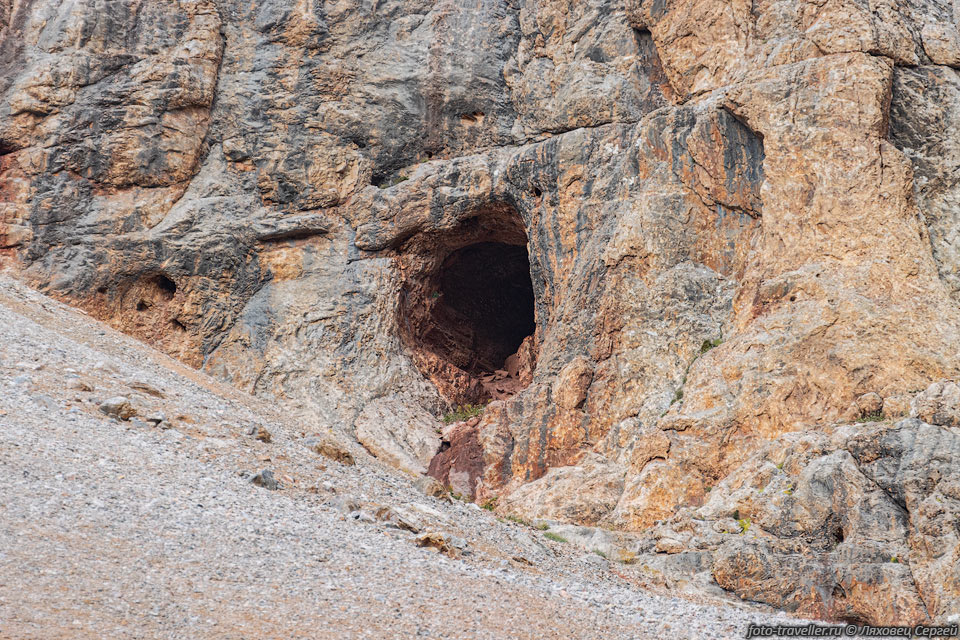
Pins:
x,y
468,308
486,294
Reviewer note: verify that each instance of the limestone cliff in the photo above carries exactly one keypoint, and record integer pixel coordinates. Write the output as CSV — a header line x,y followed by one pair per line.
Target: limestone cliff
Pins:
x,y
675,241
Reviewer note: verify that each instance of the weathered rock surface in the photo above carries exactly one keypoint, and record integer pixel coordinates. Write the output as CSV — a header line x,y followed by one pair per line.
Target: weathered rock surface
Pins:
x,y
398,434
740,220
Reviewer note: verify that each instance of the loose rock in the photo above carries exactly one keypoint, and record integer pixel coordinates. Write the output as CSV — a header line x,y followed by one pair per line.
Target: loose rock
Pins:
x,y
440,542
330,449
118,407
266,480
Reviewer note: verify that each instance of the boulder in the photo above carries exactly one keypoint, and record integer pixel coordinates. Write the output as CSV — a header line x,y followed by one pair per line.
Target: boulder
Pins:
x,y
398,434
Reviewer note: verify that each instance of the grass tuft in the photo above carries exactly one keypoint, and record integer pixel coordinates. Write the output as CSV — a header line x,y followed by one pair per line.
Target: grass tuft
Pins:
x,y
463,412
553,536
518,520
677,397
710,344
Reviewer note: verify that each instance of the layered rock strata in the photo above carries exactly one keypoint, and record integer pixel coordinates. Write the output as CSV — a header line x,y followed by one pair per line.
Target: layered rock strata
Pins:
x,y
738,220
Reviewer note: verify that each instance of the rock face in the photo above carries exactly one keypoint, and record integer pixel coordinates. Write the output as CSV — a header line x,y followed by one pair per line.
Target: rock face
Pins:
x,y
857,523
690,231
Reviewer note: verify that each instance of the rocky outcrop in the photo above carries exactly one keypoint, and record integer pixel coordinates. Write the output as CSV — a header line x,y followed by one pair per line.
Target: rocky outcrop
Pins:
x,y
856,523
687,231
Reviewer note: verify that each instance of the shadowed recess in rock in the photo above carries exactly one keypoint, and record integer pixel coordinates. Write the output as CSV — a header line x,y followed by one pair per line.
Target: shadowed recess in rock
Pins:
x,y
486,296
467,312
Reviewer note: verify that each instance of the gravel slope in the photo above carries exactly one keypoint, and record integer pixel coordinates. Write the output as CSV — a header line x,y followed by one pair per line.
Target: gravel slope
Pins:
x,y
124,529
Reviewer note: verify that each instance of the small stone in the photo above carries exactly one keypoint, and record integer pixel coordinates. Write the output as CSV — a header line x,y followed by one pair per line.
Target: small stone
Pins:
x,y
118,407
430,486
79,385
263,435
438,541
870,404
330,449
146,388
140,424
265,479
156,417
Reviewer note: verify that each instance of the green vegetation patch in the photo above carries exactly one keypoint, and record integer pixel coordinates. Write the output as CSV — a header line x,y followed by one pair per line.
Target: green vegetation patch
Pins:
x,y
463,412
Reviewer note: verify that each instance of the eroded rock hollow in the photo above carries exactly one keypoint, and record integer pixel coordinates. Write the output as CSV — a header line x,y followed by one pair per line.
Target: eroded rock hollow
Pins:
x,y
467,307
712,245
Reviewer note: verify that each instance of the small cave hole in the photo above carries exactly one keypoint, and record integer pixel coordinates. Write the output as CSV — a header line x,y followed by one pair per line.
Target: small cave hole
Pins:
x,y
475,117
101,290
854,619
838,534
166,286
536,192
178,325
142,305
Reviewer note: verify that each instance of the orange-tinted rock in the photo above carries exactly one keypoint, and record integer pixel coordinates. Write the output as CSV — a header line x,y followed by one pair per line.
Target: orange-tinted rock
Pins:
x,y
735,222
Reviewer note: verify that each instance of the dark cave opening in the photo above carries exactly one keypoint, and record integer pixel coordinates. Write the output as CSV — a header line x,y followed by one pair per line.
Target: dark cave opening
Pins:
x,y
485,297
468,312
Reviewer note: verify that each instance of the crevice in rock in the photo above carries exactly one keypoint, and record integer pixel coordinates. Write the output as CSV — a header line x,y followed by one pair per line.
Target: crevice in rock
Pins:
x,y
467,310
900,503
166,287
661,92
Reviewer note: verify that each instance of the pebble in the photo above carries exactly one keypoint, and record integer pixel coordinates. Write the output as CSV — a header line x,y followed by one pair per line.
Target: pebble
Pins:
x,y
265,479
118,407
75,383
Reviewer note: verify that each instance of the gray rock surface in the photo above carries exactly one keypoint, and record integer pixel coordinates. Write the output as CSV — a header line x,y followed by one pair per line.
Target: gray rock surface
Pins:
x,y
738,219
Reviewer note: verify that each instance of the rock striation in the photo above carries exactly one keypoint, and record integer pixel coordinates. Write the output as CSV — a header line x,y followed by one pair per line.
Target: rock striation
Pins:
x,y
697,236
